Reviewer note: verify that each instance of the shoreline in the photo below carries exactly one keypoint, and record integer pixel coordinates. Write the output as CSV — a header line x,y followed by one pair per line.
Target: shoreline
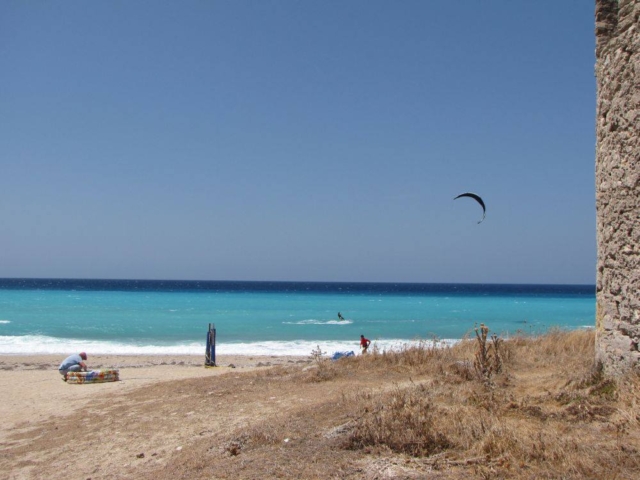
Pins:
x,y
293,349
37,361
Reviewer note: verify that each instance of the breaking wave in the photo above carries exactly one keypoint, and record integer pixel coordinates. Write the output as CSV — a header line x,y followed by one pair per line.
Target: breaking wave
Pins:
x,y
43,345
319,322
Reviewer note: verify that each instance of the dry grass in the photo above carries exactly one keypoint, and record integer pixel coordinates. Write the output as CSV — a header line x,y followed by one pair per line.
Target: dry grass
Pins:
x,y
546,413
421,412
550,411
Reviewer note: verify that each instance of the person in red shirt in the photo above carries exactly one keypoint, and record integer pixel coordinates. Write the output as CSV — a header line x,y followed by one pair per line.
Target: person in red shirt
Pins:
x,y
364,343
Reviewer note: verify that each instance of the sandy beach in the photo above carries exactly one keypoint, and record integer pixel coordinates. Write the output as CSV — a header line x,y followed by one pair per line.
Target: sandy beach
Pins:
x,y
31,388
32,394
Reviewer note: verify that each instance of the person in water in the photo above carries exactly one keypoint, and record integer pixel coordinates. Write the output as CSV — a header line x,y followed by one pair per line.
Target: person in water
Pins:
x,y
364,343
340,317
73,363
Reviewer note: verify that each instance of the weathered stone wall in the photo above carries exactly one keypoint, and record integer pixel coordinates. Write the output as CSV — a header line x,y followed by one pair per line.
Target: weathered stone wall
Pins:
x,y
618,184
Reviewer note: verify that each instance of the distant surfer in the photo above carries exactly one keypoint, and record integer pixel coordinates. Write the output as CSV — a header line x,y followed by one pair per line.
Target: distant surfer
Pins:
x,y
340,317
364,343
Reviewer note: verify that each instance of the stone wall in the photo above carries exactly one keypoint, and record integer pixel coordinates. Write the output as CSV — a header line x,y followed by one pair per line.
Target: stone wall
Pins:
x,y
618,184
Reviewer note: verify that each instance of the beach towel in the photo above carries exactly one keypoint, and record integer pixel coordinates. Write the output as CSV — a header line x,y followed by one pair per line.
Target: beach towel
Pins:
x,y
338,355
94,376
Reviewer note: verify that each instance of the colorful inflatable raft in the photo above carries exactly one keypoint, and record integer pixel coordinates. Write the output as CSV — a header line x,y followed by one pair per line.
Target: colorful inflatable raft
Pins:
x,y
94,376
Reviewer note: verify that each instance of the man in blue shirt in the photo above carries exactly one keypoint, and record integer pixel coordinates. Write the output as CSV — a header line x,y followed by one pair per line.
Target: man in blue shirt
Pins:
x,y
73,363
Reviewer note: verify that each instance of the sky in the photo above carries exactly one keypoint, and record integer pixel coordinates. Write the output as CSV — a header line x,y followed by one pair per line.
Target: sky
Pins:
x,y
298,140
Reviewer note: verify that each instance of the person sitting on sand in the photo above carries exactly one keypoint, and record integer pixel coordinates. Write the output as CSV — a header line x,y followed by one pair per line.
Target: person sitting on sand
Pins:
x,y
73,363
364,343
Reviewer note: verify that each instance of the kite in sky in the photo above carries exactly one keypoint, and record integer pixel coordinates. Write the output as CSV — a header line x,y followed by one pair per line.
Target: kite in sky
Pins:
x,y
477,199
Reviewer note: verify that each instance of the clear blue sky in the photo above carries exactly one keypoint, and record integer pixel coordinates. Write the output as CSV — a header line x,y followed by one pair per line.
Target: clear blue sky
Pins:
x,y
298,140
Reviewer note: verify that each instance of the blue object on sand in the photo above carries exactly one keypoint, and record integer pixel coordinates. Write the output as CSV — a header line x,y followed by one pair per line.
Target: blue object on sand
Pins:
x,y
338,355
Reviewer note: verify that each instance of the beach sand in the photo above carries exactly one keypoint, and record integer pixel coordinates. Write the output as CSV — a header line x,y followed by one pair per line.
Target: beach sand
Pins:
x,y
34,398
31,388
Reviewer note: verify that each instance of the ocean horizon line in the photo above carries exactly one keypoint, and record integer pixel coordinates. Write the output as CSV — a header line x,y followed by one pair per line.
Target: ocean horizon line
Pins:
x,y
332,282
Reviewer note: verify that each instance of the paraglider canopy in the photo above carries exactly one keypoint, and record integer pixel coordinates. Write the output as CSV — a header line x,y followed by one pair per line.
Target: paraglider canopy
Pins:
x,y
477,199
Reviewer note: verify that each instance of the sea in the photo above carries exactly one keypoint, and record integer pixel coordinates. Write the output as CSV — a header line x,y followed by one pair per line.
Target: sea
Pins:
x,y
155,317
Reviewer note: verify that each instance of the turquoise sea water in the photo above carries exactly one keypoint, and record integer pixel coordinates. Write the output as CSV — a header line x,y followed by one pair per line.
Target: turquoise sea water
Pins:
x,y
263,318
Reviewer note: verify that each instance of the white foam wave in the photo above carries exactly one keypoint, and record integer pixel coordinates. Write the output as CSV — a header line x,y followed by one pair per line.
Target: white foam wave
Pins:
x,y
320,322
34,344
38,344
5,321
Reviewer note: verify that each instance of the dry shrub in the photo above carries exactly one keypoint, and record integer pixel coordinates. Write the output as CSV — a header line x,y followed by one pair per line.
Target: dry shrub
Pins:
x,y
503,429
234,447
503,433
325,371
402,420
415,354
599,385
573,349
264,434
463,369
415,421
587,395
422,358
628,399
484,355
562,344
278,372
480,429
488,357
323,368
499,440
486,400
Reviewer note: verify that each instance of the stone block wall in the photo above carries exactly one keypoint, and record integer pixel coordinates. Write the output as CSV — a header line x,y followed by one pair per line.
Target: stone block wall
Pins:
x,y
618,184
